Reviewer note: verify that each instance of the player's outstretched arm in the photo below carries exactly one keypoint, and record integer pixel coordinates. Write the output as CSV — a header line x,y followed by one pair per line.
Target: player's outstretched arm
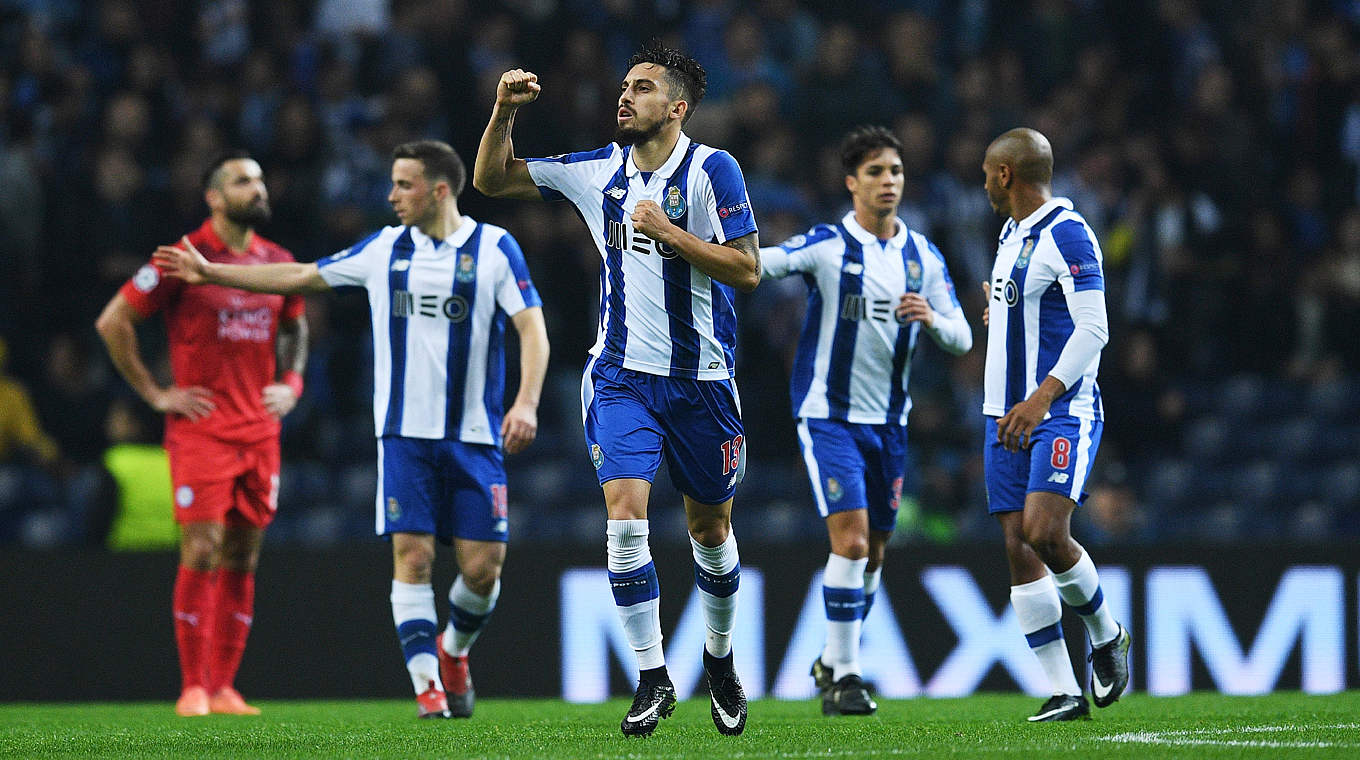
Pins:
x,y
285,278
520,426
497,172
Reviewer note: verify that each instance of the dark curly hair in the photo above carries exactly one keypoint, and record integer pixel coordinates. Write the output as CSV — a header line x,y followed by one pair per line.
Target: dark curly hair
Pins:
x,y
685,78
863,142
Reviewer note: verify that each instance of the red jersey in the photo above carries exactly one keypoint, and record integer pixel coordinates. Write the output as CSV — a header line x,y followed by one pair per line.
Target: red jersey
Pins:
x,y
221,339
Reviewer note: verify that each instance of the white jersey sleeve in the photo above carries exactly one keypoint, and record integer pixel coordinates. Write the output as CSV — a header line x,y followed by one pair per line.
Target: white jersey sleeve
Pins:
x,y
570,176
358,264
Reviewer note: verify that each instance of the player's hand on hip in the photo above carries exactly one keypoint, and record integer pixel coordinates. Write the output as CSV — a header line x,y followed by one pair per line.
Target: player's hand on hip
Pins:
x,y
519,428
279,399
1016,428
913,307
185,263
986,303
650,220
194,402
516,88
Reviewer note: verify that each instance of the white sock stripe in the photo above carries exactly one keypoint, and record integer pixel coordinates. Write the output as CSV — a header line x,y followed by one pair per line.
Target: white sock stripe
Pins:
x,y
843,572
1079,582
470,601
627,545
872,580
412,601
718,560
1036,604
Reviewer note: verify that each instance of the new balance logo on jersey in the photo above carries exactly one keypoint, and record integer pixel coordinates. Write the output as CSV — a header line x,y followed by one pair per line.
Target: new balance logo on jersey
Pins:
x,y
616,193
1058,477
406,304
401,265
858,308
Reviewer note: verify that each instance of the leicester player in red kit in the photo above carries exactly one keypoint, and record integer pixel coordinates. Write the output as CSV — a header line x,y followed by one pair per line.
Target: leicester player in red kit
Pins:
x,y
236,359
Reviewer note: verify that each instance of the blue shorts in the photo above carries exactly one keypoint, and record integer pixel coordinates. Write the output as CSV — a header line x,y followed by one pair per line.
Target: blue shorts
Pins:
x,y
855,466
633,418
1059,459
441,487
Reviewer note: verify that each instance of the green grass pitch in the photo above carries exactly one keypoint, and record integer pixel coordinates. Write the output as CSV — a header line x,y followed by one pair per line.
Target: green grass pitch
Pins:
x,y
1282,725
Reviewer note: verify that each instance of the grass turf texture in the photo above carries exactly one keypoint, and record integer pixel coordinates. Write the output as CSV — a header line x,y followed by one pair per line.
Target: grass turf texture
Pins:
x,y
1282,725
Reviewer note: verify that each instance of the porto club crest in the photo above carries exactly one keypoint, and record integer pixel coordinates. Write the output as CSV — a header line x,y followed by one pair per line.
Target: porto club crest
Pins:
x,y
674,203
913,275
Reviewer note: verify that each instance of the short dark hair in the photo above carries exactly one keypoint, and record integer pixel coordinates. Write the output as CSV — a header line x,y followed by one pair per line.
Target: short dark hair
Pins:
x,y
440,160
862,142
212,175
685,78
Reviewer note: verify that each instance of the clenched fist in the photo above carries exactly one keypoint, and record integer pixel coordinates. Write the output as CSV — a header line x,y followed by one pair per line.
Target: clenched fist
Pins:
x,y
516,88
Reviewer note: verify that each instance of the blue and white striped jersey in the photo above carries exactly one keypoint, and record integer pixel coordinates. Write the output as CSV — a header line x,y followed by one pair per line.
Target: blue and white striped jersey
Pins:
x,y
439,309
657,313
1045,265
854,357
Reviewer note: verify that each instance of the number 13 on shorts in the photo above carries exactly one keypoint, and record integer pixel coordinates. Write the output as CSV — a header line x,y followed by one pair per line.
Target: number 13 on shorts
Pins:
x,y
731,454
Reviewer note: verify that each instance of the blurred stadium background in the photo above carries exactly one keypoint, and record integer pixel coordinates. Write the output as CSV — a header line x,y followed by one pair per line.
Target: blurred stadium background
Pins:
x,y
1213,145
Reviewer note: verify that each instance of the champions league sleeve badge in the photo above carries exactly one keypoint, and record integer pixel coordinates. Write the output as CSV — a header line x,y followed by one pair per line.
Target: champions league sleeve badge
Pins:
x,y
674,204
146,278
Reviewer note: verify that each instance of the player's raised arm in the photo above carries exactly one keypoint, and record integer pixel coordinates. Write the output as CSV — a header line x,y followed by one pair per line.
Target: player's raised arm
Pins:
x,y
497,172
284,278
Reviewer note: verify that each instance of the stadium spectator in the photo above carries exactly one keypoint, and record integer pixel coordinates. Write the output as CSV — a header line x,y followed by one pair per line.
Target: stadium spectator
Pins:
x,y
22,437
236,361
1155,80
438,384
677,230
874,285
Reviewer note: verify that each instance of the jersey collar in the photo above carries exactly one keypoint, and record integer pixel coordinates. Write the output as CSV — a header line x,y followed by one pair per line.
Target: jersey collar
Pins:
x,y
218,246
455,241
866,237
668,168
1043,211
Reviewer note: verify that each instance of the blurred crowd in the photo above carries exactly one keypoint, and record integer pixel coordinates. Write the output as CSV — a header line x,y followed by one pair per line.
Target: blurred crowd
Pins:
x,y
1214,146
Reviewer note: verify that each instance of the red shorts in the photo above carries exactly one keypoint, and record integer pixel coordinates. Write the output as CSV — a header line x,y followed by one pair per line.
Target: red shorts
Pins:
x,y
229,483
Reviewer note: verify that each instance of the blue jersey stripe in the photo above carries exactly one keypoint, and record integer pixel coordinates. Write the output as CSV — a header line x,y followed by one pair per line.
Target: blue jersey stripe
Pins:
x,y
847,329
1055,328
396,331
676,282
800,380
1015,319
493,395
616,330
905,344
464,298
